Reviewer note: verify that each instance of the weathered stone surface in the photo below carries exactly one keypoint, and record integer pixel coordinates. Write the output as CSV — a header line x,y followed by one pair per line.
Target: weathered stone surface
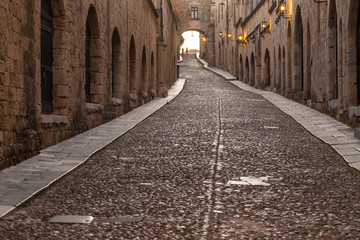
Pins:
x,y
112,25
306,53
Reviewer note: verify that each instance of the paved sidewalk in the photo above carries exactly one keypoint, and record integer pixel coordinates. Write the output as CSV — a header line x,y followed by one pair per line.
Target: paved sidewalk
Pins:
x,y
21,182
338,135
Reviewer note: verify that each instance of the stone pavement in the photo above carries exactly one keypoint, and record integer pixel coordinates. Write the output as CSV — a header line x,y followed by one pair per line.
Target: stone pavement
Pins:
x,y
338,135
23,181
217,162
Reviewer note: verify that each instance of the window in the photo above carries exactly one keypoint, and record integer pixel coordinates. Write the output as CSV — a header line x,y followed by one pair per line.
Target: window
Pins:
x,y
46,57
194,12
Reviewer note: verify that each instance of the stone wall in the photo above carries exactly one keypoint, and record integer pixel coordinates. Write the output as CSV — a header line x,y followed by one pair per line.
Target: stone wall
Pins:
x,y
308,53
203,23
123,56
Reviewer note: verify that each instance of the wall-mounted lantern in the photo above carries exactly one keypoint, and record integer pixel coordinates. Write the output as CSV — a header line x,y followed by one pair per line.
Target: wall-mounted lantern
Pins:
x,y
282,11
282,7
264,25
204,39
221,34
229,35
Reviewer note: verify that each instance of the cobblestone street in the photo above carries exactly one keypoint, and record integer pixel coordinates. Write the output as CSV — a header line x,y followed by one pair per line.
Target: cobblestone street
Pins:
x,y
215,163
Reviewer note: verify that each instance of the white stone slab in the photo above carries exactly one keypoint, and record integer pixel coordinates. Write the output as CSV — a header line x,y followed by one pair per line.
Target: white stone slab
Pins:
x,y
253,181
72,219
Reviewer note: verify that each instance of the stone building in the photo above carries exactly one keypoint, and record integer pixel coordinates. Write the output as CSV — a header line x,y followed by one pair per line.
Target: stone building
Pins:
x,y
68,66
197,15
308,51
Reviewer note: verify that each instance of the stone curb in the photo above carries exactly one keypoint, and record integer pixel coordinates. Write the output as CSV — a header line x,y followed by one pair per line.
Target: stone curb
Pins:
x,y
338,135
20,183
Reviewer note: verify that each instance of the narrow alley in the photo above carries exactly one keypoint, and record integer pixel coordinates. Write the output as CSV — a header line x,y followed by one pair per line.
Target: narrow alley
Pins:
x,y
217,162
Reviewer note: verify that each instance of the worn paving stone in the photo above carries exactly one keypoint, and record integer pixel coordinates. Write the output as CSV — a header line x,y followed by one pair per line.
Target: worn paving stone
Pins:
x,y
173,168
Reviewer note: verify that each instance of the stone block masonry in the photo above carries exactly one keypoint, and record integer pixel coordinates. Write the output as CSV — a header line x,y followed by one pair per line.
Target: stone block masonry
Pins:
x,y
68,66
308,53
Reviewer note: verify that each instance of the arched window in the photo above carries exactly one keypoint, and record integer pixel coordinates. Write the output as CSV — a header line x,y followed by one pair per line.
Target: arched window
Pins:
x,y
46,57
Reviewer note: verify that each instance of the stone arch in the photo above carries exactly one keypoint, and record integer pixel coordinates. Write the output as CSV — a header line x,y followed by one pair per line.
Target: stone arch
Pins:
x,y
116,65
232,60
341,63
56,54
247,70
308,90
132,68
332,39
219,56
283,74
223,55
252,75
288,81
152,89
93,57
352,84
279,68
298,54
241,69
275,71
46,57
267,69
143,90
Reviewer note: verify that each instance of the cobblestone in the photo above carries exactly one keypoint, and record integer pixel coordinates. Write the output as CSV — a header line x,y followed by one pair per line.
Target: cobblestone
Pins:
x,y
173,169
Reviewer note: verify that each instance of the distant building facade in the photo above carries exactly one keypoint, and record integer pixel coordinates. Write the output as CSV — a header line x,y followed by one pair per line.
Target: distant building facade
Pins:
x,y
68,66
308,51
197,15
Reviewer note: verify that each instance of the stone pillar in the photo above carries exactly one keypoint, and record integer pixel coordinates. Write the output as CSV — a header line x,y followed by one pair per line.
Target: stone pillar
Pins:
x,y
162,90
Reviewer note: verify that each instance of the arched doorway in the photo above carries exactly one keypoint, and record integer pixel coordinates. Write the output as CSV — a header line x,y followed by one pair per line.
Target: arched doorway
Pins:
x,y
283,67
92,56
275,71
46,57
247,71
333,82
308,64
298,54
132,74
352,70
115,65
358,52
267,69
153,87
241,69
219,56
288,81
279,86
252,76
143,91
